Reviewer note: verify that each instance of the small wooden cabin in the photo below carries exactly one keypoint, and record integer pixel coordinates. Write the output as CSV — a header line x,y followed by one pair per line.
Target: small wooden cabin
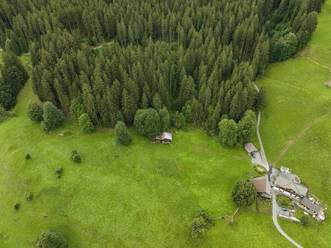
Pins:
x,y
164,138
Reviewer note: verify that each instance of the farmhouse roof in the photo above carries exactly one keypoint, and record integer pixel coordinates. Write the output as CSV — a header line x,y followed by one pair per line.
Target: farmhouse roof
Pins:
x,y
260,184
250,148
311,205
291,181
166,135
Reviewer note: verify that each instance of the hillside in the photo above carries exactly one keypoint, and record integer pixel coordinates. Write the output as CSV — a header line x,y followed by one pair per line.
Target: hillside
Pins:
x,y
146,195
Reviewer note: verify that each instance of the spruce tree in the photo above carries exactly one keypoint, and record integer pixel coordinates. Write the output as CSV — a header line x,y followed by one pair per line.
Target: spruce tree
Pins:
x,y
122,135
53,117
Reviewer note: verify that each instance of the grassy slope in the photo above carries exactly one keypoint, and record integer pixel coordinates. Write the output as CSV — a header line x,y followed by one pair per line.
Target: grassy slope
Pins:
x,y
296,96
147,196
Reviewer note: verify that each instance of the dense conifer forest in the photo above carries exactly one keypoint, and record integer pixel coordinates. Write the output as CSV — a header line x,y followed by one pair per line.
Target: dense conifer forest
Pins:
x,y
198,57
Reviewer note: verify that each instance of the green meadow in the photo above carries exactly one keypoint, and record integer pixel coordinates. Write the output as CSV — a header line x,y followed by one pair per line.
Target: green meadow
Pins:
x,y
146,195
296,124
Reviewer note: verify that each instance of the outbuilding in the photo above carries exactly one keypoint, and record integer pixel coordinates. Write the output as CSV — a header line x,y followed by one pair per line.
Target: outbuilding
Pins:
x,y
164,138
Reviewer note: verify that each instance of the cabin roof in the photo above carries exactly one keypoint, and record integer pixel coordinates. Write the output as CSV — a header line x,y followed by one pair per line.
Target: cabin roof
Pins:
x,y
250,148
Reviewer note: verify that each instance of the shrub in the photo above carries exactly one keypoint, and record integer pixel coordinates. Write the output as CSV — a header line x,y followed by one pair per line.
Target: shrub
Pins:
x,y
58,172
27,156
35,112
244,193
147,122
17,206
201,223
28,196
51,239
75,157
86,124
53,117
122,135
304,220
3,113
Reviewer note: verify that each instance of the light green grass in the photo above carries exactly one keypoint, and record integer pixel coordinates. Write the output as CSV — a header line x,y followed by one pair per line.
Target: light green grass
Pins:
x,y
145,197
296,96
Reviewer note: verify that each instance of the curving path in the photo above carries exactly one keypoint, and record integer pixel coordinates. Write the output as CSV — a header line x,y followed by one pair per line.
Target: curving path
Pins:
x,y
274,196
274,219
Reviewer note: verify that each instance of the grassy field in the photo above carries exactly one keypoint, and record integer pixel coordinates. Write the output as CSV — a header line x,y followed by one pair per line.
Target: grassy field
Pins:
x,y
296,123
141,196
146,195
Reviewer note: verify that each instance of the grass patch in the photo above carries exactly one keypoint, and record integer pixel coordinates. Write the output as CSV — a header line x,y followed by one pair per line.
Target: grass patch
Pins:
x,y
297,115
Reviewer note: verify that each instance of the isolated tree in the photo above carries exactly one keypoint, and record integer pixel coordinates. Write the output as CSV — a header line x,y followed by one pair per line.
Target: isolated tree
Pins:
x,y
122,134
51,239
228,132
147,122
85,124
53,117
35,112
244,193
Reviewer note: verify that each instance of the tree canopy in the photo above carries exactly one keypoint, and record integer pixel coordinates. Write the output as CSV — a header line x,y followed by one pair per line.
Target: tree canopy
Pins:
x,y
244,193
162,53
51,239
147,122
53,117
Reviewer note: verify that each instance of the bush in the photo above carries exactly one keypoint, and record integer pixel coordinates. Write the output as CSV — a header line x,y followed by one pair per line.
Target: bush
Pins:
x,y
51,239
304,220
53,117
122,135
58,172
27,156
35,112
244,193
147,122
28,196
17,206
75,157
201,223
3,113
86,124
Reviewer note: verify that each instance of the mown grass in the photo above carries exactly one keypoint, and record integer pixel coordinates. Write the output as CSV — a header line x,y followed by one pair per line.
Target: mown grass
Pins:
x,y
297,99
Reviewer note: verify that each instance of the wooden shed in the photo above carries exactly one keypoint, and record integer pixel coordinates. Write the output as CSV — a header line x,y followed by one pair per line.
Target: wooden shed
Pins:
x,y
164,138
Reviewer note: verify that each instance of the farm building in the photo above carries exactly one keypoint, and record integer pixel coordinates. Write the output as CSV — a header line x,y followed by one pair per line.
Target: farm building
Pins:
x,y
250,148
164,138
262,186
